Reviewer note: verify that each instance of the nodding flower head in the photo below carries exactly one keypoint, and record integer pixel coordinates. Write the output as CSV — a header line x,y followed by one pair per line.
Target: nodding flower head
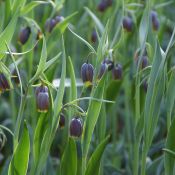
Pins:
x,y
117,72
24,35
144,59
102,6
154,20
50,24
145,85
87,73
94,36
59,19
62,121
76,127
103,69
42,98
128,23
109,63
4,83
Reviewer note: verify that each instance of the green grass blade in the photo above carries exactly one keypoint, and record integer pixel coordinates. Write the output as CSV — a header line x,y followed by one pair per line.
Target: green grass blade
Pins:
x,y
83,40
19,162
170,145
60,92
30,6
94,162
7,34
52,61
42,62
17,4
92,115
73,80
96,20
69,160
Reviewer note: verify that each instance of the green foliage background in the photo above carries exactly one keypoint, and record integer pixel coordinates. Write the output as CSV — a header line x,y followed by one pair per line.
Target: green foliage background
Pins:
x,y
126,130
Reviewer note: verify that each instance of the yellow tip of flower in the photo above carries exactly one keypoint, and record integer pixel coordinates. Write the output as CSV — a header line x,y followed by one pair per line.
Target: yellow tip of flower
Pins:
x,y
44,111
88,83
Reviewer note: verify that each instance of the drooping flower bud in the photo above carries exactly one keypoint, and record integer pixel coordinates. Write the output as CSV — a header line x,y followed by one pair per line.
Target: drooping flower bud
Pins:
x,y
144,59
102,6
109,63
117,72
103,69
24,35
4,83
87,73
144,62
127,23
145,86
42,98
155,20
62,121
41,88
76,127
94,36
59,19
50,24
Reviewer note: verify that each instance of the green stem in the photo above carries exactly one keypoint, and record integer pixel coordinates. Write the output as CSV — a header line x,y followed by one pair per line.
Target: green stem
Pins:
x,y
83,164
136,158
168,119
143,163
19,118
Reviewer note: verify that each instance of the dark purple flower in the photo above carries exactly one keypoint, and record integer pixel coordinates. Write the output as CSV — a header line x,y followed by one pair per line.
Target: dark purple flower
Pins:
x,y
50,24
155,20
109,63
87,73
42,98
42,102
102,6
24,35
94,36
127,23
144,62
145,86
59,19
41,88
103,69
76,127
62,121
117,72
4,84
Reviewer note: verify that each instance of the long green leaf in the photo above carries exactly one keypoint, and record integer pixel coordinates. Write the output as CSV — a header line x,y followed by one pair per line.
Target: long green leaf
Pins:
x,y
170,145
30,6
60,92
42,62
96,20
92,115
18,4
94,162
73,80
83,40
20,159
7,34
69,160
